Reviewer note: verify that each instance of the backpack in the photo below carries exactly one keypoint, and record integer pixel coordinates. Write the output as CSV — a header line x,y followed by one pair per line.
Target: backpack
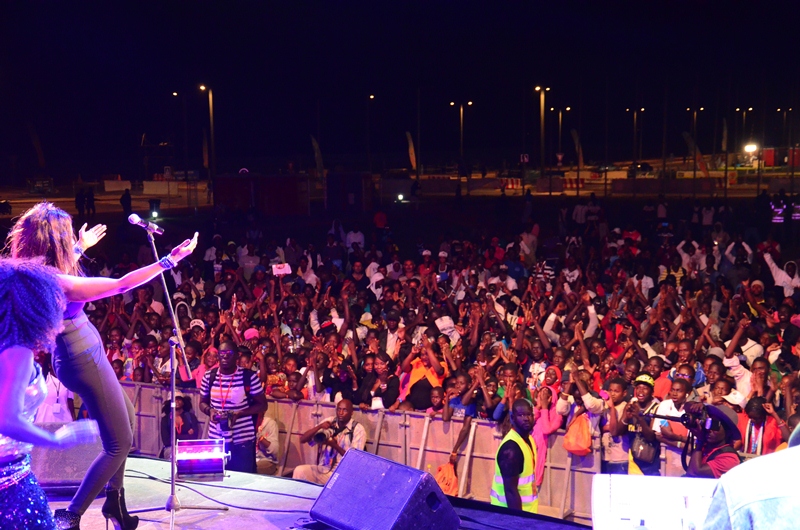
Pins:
x,y
578,439
247,377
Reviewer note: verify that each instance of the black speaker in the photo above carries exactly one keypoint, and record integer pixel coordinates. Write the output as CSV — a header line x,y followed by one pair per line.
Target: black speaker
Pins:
x,y
60,471
367,491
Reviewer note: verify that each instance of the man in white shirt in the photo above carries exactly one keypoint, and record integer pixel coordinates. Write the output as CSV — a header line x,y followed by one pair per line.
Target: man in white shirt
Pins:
x,y
354,236
211,252
305,272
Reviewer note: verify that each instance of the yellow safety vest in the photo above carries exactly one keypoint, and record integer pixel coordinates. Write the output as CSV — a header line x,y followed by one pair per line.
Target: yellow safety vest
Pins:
x,y
527,480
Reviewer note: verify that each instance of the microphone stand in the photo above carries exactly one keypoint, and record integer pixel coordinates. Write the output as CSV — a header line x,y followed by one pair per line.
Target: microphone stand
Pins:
x,y
173,502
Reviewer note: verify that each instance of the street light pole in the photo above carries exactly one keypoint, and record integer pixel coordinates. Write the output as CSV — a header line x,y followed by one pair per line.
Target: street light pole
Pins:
x,y
541,92
461,138
212,170
369,150
461,131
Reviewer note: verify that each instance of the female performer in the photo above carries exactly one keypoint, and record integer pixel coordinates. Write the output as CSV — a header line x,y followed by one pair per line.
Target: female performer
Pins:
x,y
79,359
31,312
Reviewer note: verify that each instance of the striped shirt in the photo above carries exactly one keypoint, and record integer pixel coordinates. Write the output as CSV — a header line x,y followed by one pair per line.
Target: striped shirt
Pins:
x,y
229,394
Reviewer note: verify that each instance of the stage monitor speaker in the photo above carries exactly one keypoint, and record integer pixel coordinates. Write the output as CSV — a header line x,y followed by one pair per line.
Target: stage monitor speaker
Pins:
x,y
60,471
367,491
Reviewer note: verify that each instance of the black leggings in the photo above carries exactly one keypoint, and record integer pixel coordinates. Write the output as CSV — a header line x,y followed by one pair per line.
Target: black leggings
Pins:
x,y
81,364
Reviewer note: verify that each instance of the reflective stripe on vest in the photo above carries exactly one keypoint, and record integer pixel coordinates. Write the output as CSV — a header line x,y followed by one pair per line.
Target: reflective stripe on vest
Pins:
x,y
526,482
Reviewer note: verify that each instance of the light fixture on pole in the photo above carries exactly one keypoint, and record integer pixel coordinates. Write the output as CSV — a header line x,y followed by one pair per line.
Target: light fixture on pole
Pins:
x,y
461,137
541,91
560,113
694,112
635,130
369,122
212,167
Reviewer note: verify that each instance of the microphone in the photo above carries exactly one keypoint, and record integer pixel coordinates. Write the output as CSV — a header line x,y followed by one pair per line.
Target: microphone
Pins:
x,y
147,225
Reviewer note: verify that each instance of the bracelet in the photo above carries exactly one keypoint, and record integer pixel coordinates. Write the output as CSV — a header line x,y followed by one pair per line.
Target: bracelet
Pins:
x,y
78,250
167,262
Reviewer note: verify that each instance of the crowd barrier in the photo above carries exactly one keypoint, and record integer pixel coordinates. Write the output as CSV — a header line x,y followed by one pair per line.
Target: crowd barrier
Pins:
x,y
409,438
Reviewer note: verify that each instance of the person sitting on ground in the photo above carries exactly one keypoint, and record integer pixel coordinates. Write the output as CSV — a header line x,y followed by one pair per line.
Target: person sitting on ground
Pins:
x,y
337,435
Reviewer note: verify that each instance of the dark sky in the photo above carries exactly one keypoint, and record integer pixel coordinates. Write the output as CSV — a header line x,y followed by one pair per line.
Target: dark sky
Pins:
x,y
91,77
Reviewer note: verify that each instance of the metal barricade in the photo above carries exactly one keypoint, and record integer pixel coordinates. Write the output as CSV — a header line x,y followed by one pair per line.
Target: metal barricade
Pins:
x,y
409,438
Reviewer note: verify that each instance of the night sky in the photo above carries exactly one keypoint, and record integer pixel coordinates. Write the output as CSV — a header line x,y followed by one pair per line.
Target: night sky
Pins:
x,y
91,78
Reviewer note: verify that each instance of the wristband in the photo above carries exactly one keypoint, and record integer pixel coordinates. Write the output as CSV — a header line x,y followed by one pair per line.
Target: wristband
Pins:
x,y
167,262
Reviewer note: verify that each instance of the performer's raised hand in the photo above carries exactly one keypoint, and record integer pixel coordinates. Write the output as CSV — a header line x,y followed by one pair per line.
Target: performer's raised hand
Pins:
x,y
89,238
184,249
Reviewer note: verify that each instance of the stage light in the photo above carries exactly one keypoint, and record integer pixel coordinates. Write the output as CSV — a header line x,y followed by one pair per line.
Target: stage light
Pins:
x,y
400,197
750,148
154,214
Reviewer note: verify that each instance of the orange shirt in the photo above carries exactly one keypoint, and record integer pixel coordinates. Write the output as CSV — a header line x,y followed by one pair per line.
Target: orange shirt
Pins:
x,y
663,386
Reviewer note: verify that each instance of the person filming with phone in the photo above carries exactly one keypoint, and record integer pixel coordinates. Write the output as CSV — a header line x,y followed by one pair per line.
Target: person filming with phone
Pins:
x,y
334,437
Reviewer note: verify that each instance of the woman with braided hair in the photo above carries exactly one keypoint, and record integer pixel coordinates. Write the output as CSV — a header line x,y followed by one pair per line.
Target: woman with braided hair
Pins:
x,y
45,231
31,307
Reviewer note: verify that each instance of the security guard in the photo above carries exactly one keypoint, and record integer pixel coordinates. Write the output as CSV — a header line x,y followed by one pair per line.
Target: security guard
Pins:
x,y
514,479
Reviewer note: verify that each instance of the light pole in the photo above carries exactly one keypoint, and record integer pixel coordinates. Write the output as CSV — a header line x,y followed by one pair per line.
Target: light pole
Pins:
x,y
694,148
212,167
461,126
635,131
560,111
369,150
541,92
461,139
744,119
785,137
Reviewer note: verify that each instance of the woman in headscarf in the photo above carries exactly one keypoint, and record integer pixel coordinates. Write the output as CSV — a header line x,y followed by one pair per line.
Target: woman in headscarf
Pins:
x,y
376,285
546,419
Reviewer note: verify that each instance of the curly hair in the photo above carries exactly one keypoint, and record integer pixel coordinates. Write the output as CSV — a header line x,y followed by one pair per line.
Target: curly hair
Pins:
x,y
45,231
31,305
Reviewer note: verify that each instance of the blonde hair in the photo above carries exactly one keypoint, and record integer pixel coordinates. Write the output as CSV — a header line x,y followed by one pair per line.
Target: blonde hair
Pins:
x,y
45,231
31,305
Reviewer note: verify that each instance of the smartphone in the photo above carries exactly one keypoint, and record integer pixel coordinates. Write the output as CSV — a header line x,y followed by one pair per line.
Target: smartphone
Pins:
x,y
603,394
281,269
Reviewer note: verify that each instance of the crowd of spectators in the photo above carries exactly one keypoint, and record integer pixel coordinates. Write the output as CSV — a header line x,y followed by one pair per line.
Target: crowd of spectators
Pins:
x,y
597,325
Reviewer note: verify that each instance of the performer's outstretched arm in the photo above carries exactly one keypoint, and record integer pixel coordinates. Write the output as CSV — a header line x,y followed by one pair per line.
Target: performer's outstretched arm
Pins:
x,y
83,289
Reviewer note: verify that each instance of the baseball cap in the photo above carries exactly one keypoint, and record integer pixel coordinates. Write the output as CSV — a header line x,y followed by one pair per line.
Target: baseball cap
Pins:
x,y
197,322
426,252
644,379
393,315
443,254
250,334
735,398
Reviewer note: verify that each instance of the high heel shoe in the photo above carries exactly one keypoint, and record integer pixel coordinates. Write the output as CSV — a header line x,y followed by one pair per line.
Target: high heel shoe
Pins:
x,y
114,512
131,521
66,520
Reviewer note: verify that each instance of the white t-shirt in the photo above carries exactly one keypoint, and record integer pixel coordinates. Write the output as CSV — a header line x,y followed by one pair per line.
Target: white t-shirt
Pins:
x,y
666,408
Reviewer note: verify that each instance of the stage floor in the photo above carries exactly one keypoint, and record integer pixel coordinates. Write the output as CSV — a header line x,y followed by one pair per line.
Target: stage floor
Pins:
x,y
290,501
273,502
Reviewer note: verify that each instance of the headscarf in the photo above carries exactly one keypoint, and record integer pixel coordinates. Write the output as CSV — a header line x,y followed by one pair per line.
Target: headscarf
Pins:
x,y
377,277
188,308
555,387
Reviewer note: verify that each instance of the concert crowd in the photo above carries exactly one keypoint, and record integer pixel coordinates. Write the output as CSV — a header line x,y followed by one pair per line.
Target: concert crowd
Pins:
x,y
600,327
